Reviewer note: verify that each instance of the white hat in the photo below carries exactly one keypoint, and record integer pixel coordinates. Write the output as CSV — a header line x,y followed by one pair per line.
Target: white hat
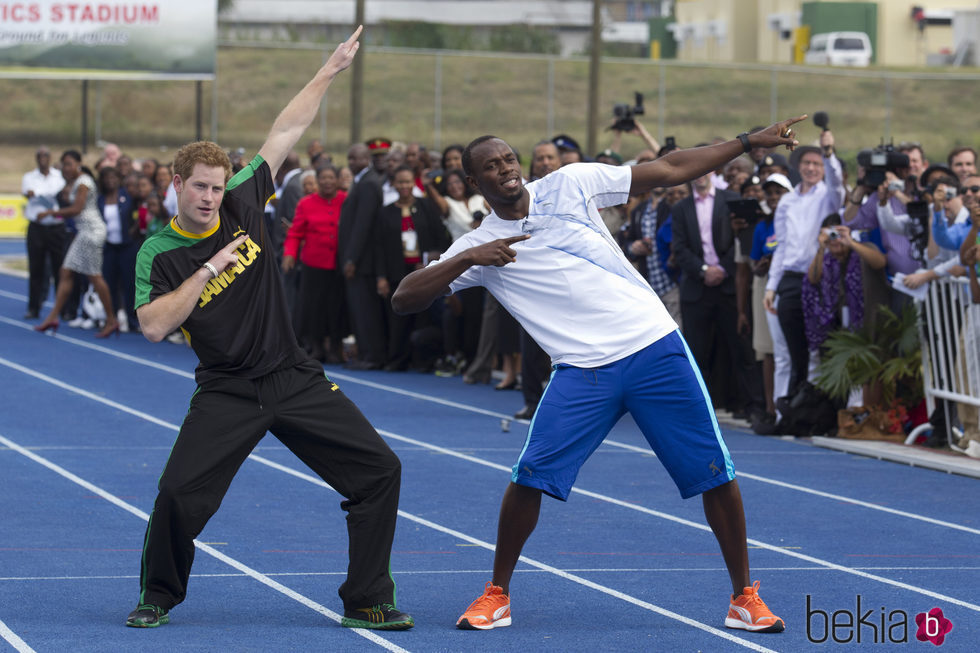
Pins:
x,y
778,178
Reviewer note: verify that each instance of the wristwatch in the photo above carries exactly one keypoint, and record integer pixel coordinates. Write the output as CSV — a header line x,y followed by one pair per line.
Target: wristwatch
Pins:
x,y
704,270
744,138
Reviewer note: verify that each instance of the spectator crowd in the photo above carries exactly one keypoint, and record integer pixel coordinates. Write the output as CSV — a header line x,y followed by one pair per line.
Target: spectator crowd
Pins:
x,y
757,262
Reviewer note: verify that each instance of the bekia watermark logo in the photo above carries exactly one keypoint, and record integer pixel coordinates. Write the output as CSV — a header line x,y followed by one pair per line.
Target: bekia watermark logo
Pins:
x,y
879,625
933,626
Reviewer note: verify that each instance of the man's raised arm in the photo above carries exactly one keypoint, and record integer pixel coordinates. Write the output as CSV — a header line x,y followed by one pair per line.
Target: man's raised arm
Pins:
x,y
302,109
684,165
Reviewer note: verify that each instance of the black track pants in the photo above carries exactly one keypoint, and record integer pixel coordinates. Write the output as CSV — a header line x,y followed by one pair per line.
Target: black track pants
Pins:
x,y
313,418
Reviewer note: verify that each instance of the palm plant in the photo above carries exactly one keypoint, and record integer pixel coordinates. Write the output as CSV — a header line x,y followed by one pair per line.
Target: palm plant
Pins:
x,y
884,356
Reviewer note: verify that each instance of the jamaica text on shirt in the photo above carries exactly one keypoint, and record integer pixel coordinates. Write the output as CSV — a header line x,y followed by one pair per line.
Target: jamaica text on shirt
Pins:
x,y
247,254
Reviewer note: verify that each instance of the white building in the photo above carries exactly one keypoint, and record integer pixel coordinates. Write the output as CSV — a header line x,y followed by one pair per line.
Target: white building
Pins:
x,y
260,20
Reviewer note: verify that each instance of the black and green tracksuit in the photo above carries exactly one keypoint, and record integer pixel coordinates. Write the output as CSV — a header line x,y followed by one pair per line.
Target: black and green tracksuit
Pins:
x,y
252,378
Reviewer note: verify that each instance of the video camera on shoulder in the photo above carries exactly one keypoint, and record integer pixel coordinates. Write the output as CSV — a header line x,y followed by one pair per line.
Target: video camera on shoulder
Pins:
x,y
624,114
876,162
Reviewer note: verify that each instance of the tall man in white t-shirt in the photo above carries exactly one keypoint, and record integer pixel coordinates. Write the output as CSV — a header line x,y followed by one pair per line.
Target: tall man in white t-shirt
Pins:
x,y
546,255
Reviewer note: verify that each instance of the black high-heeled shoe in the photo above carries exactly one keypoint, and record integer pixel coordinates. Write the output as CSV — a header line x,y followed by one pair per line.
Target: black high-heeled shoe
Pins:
x,y
506,386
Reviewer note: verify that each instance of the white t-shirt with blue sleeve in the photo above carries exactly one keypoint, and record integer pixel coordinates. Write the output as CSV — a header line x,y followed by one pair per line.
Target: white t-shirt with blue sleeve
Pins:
x,y
571,287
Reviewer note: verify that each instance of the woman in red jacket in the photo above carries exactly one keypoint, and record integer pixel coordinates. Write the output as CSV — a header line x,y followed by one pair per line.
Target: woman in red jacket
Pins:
x,y
321,289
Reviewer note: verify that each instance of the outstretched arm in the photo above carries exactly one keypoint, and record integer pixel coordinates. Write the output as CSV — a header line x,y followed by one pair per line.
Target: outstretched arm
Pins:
x,y
684,165
301,110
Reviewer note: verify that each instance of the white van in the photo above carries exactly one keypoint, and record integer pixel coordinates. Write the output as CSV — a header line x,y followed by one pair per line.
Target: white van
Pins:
x,y
839,49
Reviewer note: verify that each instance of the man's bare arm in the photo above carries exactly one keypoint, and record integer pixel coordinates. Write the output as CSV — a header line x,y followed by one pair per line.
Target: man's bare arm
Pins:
x,y
684,165
163,315
302,109
418,290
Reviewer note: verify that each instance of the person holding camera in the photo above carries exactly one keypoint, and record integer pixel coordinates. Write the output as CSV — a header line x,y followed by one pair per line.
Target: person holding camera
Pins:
x,y
879,194
796,225
942,252
949,233
833,294
940,258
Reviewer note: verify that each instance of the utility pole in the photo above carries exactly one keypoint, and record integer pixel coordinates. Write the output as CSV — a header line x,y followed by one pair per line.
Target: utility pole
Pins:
x,y
357,80
594,59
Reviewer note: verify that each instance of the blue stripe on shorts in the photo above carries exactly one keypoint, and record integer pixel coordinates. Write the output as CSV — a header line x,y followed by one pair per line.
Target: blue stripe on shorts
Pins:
x,y
660,386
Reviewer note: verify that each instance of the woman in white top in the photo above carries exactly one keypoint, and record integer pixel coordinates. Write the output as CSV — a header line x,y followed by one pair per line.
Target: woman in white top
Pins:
x,y
461,208
85,252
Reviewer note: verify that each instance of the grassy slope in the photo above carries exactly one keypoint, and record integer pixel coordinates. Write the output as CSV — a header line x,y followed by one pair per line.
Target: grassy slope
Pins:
x,y
504,96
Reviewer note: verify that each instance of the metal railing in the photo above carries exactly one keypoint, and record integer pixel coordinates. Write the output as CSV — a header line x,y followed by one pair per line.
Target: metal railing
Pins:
x,y
951,355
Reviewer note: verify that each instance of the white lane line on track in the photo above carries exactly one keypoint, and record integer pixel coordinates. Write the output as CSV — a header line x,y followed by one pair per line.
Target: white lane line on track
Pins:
x,y
104,350
540,565
12,295
317,481
832,496
11,637
464,407
246,570
702,527
483,572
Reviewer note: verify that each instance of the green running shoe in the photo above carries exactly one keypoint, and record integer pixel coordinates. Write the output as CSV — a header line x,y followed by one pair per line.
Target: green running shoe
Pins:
x,y
147,616
378,617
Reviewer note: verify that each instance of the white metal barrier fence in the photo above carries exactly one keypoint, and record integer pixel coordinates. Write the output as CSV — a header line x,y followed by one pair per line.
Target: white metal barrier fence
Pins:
x,y
951,357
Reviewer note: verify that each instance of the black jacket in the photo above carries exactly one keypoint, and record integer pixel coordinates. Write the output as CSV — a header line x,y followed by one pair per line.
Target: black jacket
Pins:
x,y
689,251
357,230
432,237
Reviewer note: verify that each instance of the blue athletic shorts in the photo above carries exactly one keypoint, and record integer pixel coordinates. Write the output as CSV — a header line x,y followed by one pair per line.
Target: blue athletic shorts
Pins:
x,y
660,386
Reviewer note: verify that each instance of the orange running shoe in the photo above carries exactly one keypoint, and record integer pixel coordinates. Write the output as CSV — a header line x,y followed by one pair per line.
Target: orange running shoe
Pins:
x,y
749,612
492,610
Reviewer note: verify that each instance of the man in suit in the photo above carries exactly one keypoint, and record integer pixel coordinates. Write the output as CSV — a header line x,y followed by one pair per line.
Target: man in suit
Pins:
x,y
704,250
356,258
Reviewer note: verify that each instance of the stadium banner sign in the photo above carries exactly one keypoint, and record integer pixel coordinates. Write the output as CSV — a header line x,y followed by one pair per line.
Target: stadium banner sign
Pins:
x,y
108,39
12,220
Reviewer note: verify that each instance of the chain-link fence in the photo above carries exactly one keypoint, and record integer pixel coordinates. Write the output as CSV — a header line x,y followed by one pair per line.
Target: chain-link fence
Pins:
x,y
443,97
